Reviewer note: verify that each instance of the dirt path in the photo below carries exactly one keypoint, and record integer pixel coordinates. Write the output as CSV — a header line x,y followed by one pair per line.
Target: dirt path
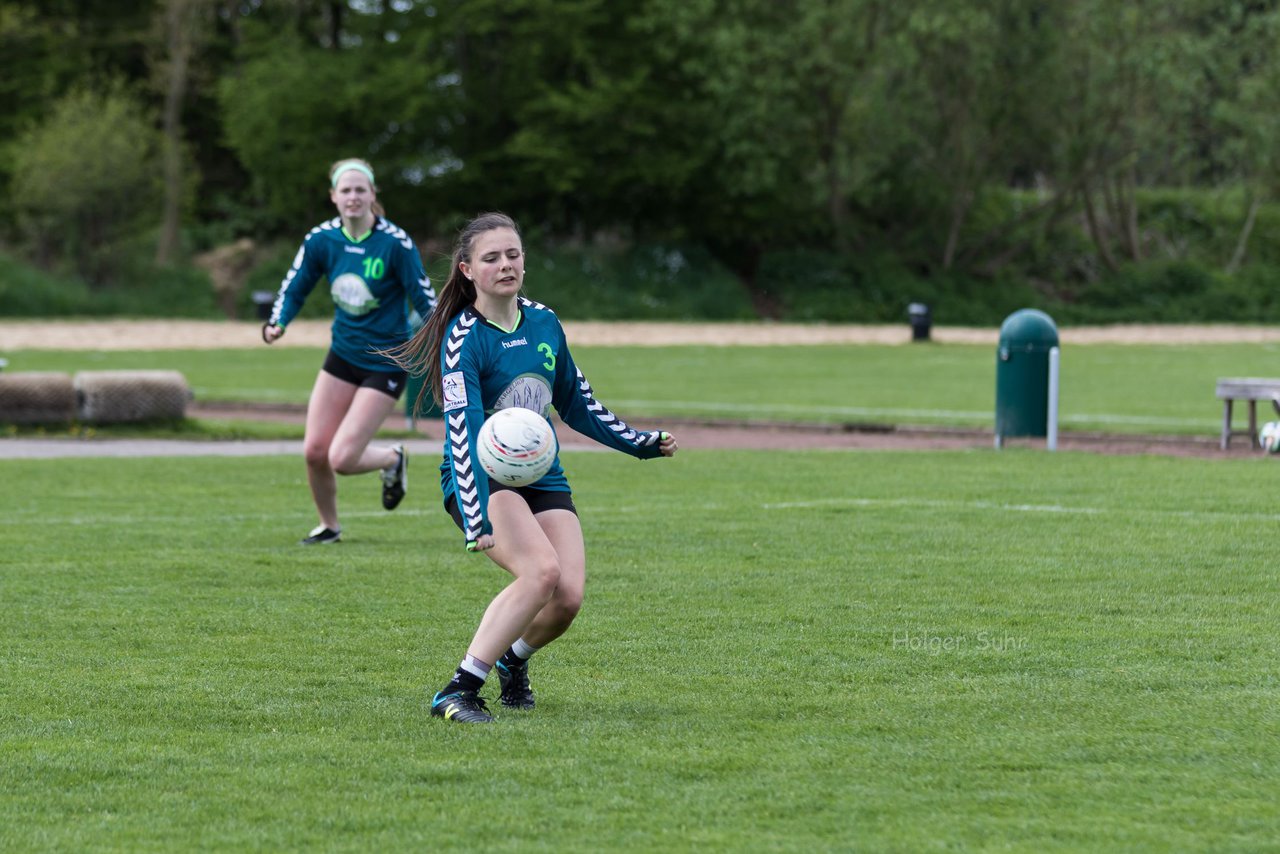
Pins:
x,y
187,335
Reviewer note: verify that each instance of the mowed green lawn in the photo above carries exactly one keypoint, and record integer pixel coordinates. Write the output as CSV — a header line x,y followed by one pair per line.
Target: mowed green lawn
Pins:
x,y
807,651
1112,388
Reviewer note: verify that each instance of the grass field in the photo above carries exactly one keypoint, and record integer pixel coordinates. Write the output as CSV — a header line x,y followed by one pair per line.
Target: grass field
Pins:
x,y
1113,388
819,651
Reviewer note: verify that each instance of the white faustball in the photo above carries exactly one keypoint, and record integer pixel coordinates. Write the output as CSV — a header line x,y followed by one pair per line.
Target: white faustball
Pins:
x,y
516,446
1269,437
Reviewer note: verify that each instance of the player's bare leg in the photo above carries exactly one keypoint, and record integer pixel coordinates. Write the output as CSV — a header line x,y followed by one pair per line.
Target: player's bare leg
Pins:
x,y
564,532
523,550
330,399
341,419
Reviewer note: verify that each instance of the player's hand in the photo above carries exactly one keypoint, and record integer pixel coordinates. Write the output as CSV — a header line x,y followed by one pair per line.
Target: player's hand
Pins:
x,y
667,444
271,332
481,545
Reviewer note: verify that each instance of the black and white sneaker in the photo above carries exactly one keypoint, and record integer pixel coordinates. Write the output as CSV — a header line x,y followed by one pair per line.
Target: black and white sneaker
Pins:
x,y
395,480
322,536
465,707
516,693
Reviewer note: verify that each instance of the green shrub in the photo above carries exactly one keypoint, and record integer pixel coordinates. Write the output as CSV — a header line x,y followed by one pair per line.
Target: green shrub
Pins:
x,y
674,282
1176,292
648,282
143,291
1253,294
86,180
28,292
1204,227
267,275
161,292
816,285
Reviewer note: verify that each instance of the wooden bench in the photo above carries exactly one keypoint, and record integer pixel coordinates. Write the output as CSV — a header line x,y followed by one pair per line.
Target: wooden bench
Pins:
x,y
1251,389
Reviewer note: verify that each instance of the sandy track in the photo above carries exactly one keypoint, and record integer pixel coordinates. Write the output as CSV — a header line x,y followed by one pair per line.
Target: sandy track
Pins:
x,y
188,334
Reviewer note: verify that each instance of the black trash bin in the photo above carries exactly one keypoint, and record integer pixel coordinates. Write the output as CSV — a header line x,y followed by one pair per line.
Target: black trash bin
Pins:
x,y
921,320
263,301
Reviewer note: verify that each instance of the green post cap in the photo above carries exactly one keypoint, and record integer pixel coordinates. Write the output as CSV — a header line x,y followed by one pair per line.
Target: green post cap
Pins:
x,y
1030,329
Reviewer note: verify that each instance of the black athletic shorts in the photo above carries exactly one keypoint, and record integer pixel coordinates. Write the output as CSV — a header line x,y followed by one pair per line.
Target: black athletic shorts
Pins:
x,y
539,500
387,382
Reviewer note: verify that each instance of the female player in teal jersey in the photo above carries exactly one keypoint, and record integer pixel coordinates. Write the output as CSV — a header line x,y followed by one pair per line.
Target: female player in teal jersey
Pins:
x,y
488,348
372,266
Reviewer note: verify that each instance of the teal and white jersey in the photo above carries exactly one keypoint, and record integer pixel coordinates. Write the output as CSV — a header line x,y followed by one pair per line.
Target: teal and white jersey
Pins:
x,y
368,279
484,369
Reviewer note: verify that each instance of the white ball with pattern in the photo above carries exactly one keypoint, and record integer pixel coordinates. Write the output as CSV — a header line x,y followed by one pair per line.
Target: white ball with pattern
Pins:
x,y
516,446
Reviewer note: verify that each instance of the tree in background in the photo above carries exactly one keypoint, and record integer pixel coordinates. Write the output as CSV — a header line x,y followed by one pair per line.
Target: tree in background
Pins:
x,y
50,47
975,141
182,26
1245,115
360,84
85,180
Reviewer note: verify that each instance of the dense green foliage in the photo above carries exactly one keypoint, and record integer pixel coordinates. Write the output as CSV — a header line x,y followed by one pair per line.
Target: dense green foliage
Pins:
x,y
834,161
881,651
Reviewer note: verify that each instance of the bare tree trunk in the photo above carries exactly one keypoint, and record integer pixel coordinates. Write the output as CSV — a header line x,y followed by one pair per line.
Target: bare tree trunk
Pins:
x,y
230,11
1111,197
1099,239
960,206
335,25
1129,207
837,209
1242,243
179,24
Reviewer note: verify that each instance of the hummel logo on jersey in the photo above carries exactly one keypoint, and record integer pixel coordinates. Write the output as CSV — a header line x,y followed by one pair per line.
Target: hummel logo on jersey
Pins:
x,y
357,250
517,342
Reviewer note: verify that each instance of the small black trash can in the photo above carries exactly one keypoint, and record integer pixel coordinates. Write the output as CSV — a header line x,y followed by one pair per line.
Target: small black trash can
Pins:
x,y
263,301
921,320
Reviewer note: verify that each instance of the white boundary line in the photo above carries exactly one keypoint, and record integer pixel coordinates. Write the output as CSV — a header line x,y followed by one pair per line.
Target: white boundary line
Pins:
x,y
935,504
1209,423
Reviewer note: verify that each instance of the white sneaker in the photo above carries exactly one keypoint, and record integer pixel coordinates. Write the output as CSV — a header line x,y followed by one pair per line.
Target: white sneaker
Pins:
x,y
322,536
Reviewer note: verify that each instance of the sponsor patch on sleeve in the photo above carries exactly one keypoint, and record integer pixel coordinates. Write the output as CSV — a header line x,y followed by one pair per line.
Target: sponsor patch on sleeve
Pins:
x,y
455,391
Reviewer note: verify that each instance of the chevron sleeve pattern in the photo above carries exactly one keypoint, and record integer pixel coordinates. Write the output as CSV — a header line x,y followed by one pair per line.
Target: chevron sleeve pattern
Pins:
x,y
307,268
464,415
413,275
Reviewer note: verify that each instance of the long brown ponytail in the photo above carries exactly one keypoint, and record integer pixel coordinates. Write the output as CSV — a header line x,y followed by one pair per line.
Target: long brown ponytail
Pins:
x,y
421,353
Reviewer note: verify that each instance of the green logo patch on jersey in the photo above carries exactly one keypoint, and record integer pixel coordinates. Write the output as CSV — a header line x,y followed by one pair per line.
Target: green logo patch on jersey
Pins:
x,y
351,294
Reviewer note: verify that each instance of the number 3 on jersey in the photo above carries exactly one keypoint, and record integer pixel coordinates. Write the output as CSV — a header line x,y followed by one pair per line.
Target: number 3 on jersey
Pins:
x,y
545,349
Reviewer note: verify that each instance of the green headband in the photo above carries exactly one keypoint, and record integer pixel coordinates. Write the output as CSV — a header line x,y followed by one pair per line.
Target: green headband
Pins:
x,y
349,165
